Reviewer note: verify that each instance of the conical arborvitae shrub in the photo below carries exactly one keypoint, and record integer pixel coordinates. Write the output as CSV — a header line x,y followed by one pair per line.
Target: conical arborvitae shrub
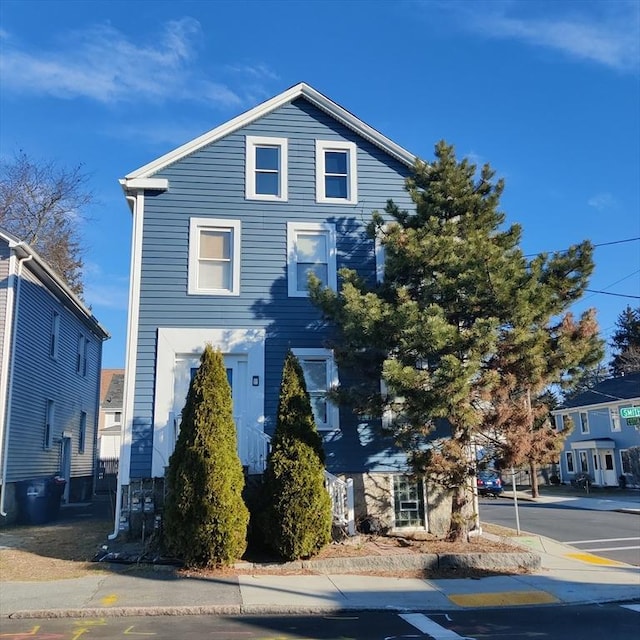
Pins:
x,y
298,516
205,518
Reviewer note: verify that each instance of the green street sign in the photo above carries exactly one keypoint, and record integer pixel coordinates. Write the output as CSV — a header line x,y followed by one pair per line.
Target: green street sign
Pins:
x,y
630,412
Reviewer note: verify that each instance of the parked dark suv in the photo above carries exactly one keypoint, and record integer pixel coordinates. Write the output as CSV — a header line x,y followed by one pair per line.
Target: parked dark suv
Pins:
x,y
489,483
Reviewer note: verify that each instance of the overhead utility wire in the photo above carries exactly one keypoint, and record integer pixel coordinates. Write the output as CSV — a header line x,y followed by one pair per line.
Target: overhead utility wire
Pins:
x,y
600,244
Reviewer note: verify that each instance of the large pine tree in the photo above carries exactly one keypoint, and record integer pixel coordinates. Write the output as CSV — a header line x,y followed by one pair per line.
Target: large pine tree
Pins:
x,y
298,507
431,328
205,518
626,343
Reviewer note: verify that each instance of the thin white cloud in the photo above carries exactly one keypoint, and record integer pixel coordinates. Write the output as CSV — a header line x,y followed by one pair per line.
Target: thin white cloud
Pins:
x,y
602,201
103,64
607,33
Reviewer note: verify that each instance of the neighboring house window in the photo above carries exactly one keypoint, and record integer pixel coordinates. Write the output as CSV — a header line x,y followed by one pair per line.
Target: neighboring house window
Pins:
x,y
584,462
81,357
83,432
311,247
569,457
336,172
625,462
615,419
266,168
584,422
214,257
55,335
559,420
320,375
48,424
408,499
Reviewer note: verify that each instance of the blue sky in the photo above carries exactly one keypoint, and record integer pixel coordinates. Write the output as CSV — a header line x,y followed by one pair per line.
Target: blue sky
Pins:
x,y
548,92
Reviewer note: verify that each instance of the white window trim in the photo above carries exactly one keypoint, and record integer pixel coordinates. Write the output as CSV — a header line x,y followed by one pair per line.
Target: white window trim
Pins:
x,y
614,415
333,412
250,167
292,273
195,226
567,455
352,177
584,425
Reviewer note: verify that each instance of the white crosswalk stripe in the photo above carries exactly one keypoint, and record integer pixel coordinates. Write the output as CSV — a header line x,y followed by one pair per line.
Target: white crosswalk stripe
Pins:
x,y
426,625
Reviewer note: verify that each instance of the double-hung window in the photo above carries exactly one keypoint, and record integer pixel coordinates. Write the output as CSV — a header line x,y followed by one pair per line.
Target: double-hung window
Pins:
x,y
82,354
266,168
584,422
82,436
570,465
336,172
311,248
320,375
214,257
48,424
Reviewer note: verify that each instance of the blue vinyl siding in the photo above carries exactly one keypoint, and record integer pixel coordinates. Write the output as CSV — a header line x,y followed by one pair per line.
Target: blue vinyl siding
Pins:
x,y
37,378
211,183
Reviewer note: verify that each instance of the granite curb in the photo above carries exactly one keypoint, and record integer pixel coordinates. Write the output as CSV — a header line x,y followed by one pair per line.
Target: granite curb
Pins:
x,y
523,560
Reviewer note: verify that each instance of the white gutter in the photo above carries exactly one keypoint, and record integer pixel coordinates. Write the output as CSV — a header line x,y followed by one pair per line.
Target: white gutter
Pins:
x,y
137,208
7,380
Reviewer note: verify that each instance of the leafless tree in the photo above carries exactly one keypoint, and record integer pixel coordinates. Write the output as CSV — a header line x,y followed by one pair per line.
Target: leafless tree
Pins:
x,y
44,205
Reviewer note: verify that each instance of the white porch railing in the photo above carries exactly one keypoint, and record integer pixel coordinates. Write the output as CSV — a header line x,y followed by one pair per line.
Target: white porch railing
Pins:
x,y
342,503
257,444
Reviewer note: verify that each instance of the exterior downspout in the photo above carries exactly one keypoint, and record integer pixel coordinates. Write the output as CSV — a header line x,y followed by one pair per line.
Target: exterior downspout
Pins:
x,y
8,381
130,358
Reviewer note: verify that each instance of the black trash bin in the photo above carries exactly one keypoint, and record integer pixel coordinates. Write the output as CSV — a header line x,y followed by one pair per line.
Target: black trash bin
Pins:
x,y
55,490
39,499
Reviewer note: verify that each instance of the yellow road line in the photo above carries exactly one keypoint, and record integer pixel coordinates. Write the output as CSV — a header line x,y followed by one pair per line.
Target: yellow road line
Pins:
x,y
107,601
592,559
502,598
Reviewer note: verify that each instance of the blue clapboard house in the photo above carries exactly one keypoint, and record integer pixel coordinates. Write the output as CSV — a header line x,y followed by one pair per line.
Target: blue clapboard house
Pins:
x,y
225,230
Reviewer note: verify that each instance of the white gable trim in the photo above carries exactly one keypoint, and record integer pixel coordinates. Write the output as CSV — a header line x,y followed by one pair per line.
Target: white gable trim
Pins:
x,y
301,90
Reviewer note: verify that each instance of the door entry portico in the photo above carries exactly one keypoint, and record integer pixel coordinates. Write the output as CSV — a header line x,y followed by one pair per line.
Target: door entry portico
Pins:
x,y
186,367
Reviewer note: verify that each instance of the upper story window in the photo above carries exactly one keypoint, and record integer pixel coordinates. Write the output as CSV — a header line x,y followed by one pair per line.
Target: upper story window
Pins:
x,y
81,356
214,257
266,168
336,172
559,420
615,419
55,335
584,422
311,247
320,374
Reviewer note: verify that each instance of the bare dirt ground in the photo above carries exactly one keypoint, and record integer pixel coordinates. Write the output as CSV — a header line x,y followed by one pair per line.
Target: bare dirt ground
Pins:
x,y
65,549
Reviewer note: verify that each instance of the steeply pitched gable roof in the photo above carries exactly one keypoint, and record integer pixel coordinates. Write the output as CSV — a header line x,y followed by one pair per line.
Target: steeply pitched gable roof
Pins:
x,y
611,390
301,90
54,282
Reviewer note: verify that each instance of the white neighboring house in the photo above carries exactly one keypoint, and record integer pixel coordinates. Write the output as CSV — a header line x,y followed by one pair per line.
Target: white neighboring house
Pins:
x,y
111,394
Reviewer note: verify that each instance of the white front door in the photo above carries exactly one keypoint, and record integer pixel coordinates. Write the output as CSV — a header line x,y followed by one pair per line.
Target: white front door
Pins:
x,y
236,368
604,468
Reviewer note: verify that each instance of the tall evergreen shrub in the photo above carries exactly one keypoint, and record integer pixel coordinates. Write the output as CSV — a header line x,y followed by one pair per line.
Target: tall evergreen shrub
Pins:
x,y
298,514
205,521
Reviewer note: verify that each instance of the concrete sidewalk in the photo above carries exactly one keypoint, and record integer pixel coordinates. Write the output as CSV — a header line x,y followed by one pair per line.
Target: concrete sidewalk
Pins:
x,y
628,503
567,576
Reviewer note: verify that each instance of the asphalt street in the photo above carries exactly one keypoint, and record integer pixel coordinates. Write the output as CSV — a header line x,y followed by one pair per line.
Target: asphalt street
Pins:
x,y
592,622
604,533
